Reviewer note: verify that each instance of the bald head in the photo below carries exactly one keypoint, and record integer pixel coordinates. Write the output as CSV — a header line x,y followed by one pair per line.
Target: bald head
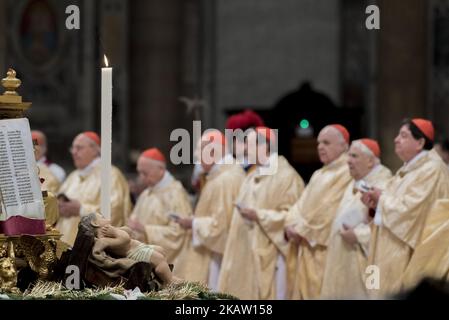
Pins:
x,y
258,146
361,160
150,171
84,150
331,144
213,148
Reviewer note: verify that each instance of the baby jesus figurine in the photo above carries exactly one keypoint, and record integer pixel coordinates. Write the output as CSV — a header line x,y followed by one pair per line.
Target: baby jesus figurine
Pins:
x,y
118,243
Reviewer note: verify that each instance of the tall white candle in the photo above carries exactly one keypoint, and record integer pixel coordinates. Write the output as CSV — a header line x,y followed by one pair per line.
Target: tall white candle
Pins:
x,y
106,139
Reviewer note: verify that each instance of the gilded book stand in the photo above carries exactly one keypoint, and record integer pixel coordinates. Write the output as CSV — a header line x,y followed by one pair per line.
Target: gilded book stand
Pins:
x,y
39,253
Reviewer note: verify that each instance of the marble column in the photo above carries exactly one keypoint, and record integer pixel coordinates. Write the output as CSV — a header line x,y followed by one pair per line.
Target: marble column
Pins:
x,y
402,73
155,72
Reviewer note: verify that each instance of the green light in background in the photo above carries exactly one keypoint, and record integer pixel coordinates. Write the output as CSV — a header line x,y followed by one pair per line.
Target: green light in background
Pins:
x,y
304,124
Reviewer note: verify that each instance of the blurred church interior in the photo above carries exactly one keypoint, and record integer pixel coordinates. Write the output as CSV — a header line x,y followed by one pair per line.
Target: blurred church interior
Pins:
x,y
300,64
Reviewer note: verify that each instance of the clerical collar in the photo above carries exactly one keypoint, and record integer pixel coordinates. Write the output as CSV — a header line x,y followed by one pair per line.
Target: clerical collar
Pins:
x,y
245,164
164,182
42,160
373,171
271,158
271,163
415,159
362,182
87,170
227,159
336,162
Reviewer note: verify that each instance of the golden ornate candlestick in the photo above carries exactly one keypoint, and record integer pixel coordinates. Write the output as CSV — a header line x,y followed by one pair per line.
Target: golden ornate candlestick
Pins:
x,y
11,105
11,83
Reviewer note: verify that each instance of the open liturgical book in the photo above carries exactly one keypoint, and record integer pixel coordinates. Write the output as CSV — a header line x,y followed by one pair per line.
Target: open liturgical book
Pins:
x,y
22,205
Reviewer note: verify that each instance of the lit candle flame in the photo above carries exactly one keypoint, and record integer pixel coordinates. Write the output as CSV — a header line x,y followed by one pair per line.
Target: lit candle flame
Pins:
x,y
106,61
